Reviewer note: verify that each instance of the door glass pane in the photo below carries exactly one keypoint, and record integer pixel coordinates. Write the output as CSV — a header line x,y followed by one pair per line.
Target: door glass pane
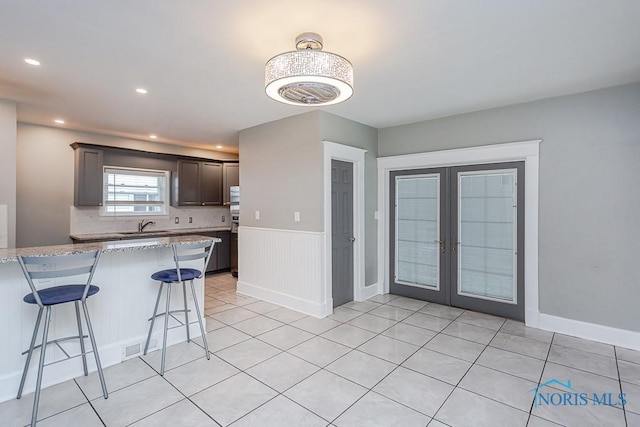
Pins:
x,y
417,229
487,235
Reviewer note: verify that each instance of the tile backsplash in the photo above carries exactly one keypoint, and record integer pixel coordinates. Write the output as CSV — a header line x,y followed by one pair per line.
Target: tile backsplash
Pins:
x,y
89,220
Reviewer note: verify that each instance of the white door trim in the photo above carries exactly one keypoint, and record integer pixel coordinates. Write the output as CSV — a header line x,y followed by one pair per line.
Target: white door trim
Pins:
x,y
527,151
345,153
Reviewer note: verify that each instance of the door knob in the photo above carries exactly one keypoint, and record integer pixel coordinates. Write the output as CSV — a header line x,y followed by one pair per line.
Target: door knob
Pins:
x,y
352,239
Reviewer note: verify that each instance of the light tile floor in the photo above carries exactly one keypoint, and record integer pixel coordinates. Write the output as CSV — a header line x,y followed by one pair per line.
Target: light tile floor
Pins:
x,y
389,361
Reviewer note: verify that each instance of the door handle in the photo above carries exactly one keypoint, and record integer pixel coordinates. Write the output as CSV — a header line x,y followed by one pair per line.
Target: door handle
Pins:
x,y
442,244
352,239
454,245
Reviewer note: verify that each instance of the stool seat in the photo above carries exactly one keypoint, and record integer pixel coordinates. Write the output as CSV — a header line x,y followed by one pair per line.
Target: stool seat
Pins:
x,y
171,275
60,294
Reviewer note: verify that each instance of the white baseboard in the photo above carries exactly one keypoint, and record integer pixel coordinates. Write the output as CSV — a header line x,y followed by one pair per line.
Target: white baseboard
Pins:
x,y
591,331
294,303
367,292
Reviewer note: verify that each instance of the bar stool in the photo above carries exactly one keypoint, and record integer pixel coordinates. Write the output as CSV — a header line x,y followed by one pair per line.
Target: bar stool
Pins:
x,y
59,267
181,252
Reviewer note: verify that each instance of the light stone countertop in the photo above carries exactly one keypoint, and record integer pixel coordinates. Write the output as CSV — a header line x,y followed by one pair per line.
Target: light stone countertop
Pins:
x,y
10,255
121,235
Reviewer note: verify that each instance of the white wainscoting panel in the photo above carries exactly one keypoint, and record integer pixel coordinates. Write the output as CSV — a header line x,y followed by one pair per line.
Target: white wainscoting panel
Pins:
x,y
284,267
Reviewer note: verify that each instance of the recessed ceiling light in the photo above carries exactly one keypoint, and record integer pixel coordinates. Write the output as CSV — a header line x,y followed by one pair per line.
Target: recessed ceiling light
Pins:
x,y
59,121
32,61
218,146
153,136
141,90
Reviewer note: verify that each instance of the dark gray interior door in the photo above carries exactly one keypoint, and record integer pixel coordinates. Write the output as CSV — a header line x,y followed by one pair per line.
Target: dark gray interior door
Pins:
x,y
456,236
341,232
487,229
417,234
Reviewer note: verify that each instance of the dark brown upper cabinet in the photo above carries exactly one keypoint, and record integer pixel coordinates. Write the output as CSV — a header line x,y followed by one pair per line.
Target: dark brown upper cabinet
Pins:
x,y
87,176
198,184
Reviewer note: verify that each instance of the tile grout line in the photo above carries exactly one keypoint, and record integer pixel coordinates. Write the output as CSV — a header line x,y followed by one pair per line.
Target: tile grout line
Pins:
x,y
624,409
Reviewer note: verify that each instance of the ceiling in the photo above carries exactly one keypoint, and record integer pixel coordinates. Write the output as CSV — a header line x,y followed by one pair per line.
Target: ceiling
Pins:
x,y
202,61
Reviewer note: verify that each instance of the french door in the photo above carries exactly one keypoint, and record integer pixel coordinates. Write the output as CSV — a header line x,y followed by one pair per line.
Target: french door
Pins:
x,y
457,236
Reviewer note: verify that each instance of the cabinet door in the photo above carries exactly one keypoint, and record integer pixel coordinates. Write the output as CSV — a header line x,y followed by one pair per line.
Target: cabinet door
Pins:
x,y
88,177
211,184
213,261
188,183
231,172
224,250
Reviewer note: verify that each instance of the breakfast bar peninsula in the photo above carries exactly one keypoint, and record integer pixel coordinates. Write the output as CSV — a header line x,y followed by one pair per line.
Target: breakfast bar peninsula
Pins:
x,y
119,314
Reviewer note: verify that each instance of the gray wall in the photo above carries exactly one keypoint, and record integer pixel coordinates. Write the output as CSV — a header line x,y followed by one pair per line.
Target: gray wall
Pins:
x,y
589,195
281,173
337,129
45,178
8,166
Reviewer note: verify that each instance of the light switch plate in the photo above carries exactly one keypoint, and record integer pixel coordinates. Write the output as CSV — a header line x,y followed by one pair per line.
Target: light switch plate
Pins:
x,y
257,215
375,215
296,216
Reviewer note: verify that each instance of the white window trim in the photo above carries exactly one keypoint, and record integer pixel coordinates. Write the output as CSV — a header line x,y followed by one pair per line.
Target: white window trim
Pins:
x,y
527,151
167,195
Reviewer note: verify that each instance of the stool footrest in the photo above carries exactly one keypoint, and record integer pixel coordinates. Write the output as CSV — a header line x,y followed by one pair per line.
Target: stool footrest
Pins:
x,y
67,358
171,312
182,324
56,341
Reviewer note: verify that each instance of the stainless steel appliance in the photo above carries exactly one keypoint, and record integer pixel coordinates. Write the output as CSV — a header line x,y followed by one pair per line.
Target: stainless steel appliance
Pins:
x,y
234,209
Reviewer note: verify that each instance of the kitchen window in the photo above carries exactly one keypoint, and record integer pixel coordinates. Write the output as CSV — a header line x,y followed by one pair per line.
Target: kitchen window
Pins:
x,y
130,192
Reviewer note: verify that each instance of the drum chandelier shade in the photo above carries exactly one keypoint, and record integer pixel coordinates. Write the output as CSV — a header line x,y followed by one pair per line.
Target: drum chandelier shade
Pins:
x,y
309,76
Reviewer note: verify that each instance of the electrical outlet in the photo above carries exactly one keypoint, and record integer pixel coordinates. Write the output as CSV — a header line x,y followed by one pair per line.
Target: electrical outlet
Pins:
x,y
223,218
190,220
176,220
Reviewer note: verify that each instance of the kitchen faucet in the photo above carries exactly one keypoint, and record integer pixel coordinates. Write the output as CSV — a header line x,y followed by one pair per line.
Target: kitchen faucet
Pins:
x,y
142,225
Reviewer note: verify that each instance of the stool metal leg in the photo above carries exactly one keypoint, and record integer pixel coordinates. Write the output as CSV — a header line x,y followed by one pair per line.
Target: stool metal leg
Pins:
x,y
166,328
204,335
153,318
45,334
95,349
84,353
186,312
30,353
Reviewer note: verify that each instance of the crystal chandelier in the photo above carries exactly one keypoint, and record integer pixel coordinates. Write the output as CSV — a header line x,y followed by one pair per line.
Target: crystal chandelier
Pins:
x,y
309,76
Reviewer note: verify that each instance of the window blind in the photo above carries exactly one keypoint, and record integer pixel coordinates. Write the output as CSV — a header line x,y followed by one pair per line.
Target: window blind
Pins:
x,y
135,191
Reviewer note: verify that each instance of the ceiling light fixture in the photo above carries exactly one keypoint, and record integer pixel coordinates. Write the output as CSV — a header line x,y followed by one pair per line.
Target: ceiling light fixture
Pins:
x,y
59,121
32,61
153,136
218,146
309,76
141,90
